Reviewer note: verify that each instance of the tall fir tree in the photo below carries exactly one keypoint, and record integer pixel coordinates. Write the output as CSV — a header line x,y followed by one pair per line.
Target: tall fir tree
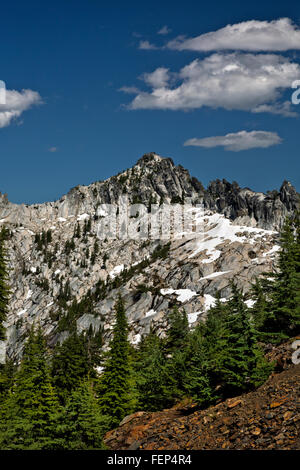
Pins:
x,y
198,378
32,417
177,329
7,373
71,364
176,352
152,375
261,304
214,343
243,364
282,319
85,424
116,387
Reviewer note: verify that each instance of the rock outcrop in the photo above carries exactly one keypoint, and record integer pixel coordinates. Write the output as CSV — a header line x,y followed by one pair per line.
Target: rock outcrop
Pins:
x,y
247,207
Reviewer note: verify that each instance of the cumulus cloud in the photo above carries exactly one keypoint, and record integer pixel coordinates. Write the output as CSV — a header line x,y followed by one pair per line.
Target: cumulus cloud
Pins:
x,y
131,90
146,45
238,141
16,103
164,30
233,81
157,79
276,35
285,109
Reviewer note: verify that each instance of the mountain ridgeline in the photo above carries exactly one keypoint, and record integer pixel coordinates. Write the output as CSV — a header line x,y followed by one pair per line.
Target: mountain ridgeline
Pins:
x,y
158,178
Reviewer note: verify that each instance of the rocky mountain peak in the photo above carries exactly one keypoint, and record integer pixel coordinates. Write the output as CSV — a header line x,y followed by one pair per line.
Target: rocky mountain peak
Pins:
x,y
157,179
289,196
151,158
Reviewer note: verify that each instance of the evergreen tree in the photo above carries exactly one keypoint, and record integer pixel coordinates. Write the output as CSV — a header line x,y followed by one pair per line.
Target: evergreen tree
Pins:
x,y
116,397
213,341
178,330
77,233
152,375
85,424
243,364
261,305
176,347
49,236
31,417
70,364
282,319
198,378
7,373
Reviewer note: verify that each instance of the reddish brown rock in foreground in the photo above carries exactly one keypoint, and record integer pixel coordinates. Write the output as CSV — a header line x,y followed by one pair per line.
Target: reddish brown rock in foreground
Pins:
x,y
268,418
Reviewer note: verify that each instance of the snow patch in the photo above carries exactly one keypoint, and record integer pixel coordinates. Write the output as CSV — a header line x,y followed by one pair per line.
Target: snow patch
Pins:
x,y
192,317
102,213
272,251
22,311
83,217
136,339
117,270
213,275
209,301
183,295
150,313
29,294
216,230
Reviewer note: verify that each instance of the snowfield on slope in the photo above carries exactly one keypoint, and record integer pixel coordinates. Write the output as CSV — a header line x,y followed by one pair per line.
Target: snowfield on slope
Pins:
x,y
216,230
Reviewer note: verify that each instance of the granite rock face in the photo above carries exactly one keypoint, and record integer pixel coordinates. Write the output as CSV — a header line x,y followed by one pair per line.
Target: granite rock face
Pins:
x,y
238,238
264,210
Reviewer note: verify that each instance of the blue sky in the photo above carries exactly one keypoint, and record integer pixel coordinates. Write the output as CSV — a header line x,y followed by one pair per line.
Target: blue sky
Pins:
x,y
75,125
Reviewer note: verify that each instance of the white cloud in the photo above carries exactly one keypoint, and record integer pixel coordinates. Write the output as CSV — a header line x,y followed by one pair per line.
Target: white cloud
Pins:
x,y
146,45
157,79
16,103
276,35
164,30
235,81
242,140
285,109
130,90
53,149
